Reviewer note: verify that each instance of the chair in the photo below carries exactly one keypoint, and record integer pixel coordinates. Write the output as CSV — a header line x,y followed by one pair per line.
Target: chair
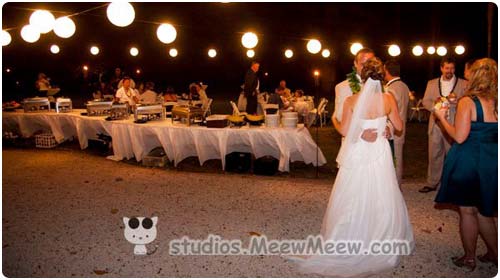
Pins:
x,y
208,111
316,113
323,113
270,106
418,110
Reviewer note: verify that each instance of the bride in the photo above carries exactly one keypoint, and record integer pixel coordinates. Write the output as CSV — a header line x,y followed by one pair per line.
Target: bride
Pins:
x,y
366,204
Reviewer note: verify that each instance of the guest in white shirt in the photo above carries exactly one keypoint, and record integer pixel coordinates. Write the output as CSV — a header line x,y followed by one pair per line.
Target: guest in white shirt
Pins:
x,y
149,95
126,94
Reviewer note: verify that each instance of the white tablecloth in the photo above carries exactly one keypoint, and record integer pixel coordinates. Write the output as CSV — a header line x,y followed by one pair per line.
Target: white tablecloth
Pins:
x,y
179,141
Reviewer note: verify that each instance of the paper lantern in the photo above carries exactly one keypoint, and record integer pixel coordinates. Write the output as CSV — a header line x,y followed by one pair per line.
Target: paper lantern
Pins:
x,y
249,40
313,46
394,50
166,33
6,38
54,49
64,27
417,50
30,34
120,13
42,20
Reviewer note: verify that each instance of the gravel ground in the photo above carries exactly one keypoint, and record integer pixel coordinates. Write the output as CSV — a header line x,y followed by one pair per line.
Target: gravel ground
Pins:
x,y
63,209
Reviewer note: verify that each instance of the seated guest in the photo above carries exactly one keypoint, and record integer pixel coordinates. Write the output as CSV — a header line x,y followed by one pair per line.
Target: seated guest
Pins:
x,y
200,87
299,95
193,92
283,91
275,98
170,95
149,95
101,91
126,94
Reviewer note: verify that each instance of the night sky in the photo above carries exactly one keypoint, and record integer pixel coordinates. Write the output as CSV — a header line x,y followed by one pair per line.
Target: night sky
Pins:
x,y
201,26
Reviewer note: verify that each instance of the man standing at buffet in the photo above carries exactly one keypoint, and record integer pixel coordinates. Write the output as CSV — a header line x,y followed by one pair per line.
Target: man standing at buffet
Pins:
x,y
251,88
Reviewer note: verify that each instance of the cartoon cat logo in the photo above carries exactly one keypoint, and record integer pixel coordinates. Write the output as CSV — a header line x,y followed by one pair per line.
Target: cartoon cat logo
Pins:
x,y
140,231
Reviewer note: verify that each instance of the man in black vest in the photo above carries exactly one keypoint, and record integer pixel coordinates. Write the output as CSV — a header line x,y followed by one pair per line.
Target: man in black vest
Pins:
x,y
251,88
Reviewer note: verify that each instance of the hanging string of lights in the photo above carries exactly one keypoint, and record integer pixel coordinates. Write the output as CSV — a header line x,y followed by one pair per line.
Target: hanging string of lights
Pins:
x,y
122,14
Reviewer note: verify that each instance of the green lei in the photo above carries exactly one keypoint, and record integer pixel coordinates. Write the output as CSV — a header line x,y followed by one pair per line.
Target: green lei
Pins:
x,y
353,81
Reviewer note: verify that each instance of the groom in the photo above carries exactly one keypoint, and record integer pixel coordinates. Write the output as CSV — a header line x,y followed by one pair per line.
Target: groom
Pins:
x,y
351,86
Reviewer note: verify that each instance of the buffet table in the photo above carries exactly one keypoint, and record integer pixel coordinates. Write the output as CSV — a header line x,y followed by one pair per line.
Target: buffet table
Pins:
x,y
178,140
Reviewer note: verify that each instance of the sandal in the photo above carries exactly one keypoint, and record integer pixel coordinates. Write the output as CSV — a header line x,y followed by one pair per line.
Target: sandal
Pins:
x,y
487,259
427,189
464,262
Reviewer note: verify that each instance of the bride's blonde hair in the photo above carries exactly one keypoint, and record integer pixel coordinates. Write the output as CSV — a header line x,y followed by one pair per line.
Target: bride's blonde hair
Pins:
x,y
374,69
484,80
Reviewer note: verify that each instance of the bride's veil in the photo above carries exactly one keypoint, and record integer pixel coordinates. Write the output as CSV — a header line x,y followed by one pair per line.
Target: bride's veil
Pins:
x,y
369,105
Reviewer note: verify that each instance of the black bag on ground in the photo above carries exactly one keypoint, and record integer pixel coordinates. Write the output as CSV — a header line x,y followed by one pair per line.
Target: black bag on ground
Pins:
x,y
238,162
266,165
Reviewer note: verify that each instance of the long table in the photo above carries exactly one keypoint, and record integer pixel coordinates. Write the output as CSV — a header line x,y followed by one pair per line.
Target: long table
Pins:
x,y
131,140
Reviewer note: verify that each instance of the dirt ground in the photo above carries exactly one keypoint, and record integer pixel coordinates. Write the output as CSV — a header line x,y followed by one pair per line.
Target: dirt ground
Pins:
x,y
63,210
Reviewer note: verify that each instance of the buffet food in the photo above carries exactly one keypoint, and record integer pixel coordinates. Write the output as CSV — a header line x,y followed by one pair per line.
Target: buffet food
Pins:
x,y
149,112
189,113
119,111
99,107
36,104
63,105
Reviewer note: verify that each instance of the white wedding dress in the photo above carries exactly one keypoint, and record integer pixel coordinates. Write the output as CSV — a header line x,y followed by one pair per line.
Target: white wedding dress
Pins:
x,y
365,205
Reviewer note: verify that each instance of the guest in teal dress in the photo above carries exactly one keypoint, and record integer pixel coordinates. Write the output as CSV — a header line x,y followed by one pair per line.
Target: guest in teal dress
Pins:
x,y
470,172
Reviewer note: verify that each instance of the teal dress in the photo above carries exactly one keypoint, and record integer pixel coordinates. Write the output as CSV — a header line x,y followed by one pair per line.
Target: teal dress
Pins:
x,y
470,172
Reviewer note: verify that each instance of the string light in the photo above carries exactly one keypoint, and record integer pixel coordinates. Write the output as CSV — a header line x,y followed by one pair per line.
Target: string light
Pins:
x,y
173,52
94,50
212,53
325,53
394,50
459,49
42,20
64,27
314,46
134,51
30,34
431,50
355,48
288,53
250,53
54,49
120,13
441,51
249,40
6,38
166,33
417,50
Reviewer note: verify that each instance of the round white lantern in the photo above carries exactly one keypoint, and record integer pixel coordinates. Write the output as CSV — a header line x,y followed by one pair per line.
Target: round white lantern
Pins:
x,y
250,53
249,40
288,53
313,46
173,52
431,50
441,51
64,27
134,51
459,49
355,48
212,53
394,50
54,49
30,34
94,50
417,50
42,20
6,38
325,53
120,13
166,33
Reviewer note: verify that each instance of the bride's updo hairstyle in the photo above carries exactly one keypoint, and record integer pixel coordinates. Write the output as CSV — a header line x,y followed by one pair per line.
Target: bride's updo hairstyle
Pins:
x,y
373,68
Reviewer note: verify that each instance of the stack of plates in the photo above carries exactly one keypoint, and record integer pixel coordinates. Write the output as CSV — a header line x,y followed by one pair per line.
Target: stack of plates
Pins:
x,y
273,120
290,119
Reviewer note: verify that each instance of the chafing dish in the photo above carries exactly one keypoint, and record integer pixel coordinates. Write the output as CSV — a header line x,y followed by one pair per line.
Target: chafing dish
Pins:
x,y
187,112
119,111
149,112
63,105
99,108
36,104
